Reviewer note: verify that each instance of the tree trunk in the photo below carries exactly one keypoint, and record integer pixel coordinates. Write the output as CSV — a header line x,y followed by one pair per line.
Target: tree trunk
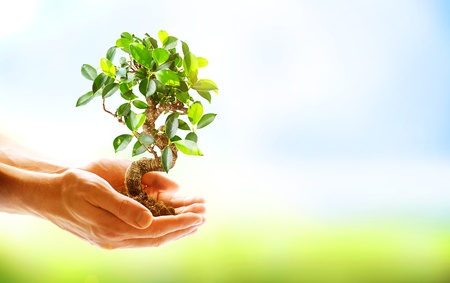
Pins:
x,y
133,185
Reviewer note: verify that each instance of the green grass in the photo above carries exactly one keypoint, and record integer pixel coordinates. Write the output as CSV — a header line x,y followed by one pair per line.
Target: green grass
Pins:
x,y
246,251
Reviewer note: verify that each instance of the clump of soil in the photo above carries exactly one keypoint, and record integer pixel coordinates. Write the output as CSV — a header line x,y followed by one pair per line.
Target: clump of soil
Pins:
x,y
156,207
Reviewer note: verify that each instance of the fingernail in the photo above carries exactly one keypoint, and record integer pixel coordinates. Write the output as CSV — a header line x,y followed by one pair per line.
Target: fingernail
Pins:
x,y
144,218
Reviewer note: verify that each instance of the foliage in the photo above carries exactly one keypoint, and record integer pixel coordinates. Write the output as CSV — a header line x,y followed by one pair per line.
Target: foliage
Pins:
x,y
153,78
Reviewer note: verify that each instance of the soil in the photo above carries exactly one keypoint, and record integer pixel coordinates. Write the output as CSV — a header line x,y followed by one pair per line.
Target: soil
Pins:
x,y
157,208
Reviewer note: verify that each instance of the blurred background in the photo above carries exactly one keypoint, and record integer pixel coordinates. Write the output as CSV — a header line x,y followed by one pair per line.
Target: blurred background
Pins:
x,y
329,160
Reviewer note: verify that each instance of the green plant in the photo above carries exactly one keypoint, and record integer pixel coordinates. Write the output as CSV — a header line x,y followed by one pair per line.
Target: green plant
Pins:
x,y
158,85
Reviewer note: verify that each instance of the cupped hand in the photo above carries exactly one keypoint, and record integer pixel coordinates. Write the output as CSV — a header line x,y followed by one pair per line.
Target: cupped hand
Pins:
x,y
155,184
93,210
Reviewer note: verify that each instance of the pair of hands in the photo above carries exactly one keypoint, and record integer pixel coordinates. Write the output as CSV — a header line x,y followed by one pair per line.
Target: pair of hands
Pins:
x,y
92,208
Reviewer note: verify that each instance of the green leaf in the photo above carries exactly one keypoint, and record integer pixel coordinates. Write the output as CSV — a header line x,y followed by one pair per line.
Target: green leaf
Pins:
x,y
141,54
188,147
124,43
146,139
182,125
190,64
126,35
147,43
110,90
85,98
183,96
205,94
165,66
140,120
108,81
134,121
121,73
185,48
121,142
171,125
147,87
192,137
195,112
175,138
162,35
160,55
138,148
140,104
170,42
206,120
202,62
160,87
168,77
124,87
129,95
205,85
183,86
124,109
153,42
99,82
167,159
108,67
88,72
178,61
111,53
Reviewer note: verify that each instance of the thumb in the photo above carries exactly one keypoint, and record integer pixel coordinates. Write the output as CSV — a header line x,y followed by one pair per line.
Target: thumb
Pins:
x,y
134,213
128,210
123,207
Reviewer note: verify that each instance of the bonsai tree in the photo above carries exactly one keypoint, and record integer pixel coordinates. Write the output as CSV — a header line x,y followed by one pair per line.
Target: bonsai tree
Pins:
x,y
159,86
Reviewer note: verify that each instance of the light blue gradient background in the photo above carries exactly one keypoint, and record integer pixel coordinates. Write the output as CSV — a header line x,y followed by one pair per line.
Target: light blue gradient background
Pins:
x,y
336,110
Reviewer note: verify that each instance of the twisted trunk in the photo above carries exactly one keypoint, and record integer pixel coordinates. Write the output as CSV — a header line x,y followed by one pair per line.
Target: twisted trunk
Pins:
x,y
133,184
137,169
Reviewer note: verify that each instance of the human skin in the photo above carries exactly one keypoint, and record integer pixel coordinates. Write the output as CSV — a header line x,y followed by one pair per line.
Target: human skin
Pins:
x,y
85,200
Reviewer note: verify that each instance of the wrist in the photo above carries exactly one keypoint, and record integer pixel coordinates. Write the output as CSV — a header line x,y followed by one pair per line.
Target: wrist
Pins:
x,y
26,192
15,156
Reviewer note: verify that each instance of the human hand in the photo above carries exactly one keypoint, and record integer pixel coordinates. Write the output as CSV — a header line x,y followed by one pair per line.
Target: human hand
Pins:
x,y
155,184
111,170
93,210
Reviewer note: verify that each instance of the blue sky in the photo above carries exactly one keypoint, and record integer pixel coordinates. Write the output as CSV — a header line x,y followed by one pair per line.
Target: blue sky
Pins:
x,y
354,78
301,83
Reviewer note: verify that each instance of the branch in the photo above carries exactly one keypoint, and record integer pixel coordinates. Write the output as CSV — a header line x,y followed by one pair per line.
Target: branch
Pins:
x,y
113,114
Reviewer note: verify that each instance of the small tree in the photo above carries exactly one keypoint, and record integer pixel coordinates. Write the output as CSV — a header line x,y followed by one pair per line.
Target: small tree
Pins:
x,y
159,86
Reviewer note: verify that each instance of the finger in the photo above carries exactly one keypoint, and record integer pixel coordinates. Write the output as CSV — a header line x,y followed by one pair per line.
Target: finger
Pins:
x,y
156,242
198,208
181,201
155,181
124,208
117,230
165,225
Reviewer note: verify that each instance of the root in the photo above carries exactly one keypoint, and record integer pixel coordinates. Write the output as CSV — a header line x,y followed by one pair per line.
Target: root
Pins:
x,y
156,207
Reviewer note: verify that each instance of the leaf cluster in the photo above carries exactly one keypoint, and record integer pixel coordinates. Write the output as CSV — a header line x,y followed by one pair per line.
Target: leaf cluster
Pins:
x,y
153,77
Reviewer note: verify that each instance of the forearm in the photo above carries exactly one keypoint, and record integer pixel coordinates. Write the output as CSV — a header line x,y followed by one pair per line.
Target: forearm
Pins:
x,y
25,192
15,155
